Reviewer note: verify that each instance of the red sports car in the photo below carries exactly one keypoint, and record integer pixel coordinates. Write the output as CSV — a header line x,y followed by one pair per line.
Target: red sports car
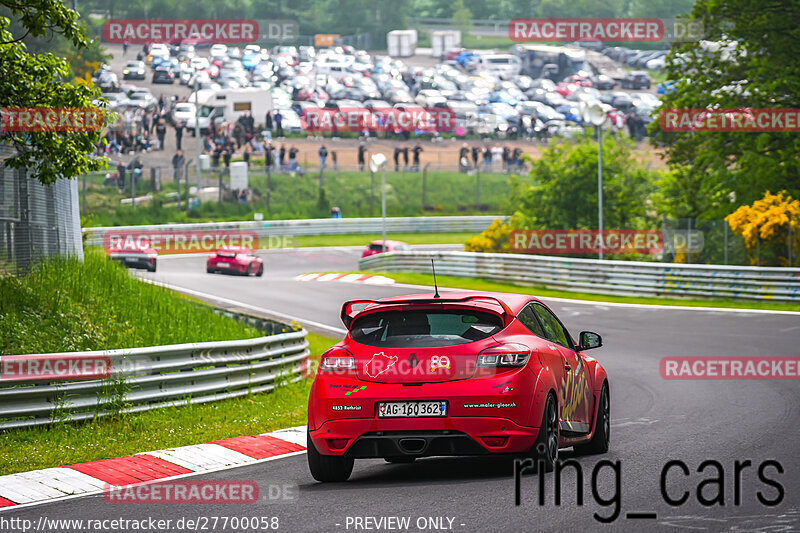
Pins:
x,y
235,260
376,247
134,255
463,374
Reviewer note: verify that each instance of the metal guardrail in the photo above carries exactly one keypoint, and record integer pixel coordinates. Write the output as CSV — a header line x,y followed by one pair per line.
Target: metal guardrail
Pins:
x,y
160,376
316,226
627,278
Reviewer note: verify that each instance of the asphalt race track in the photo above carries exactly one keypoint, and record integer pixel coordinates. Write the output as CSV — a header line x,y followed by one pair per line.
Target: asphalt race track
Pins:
x,y
653,421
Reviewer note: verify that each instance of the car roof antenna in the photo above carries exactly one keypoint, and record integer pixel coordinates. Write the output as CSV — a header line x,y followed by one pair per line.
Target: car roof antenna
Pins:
x,y
435,286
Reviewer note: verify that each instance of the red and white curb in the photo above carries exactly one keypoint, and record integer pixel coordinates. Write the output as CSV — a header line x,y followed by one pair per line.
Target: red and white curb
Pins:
x,y
82,479
346,278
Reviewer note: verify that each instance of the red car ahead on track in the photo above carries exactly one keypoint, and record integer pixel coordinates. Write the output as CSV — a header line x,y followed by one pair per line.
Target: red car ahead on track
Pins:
x,y
235,260
134,256
465,374
376,247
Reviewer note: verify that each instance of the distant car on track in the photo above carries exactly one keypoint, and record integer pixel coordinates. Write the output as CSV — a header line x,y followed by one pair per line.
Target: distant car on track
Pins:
x,y
235,260
134,256
376,247
468,373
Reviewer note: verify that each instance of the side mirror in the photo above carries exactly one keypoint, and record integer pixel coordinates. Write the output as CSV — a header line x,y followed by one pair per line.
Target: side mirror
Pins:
x,y
589,340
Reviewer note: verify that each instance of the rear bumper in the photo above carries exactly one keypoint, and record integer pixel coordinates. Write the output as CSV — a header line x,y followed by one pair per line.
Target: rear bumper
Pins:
x,y
430,437
497,414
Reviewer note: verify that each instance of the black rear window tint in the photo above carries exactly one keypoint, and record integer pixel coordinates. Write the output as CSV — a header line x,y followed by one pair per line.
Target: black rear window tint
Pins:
x,y
424,328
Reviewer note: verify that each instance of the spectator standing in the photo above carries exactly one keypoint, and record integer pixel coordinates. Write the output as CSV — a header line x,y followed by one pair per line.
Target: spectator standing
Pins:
x,y
268,125
362,155
282,156
517,157
417,151
506,159
463,162
161,133
397,151
476,152
238,134
323,155
121,175
246,154
497,153
226,159
333,158
269,155
405,157
278,124
179,134
487,159
178,160
293,158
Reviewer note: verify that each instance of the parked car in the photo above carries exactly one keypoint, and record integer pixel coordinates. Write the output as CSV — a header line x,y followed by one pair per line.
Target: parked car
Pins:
x,y
163,74
636,79
134,70
235,260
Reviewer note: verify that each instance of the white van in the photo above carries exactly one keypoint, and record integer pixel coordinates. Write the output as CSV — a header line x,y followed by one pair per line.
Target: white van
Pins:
x,y
229,104
504,66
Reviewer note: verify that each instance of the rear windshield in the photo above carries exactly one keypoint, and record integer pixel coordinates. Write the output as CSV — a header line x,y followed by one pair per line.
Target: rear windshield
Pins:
x,y
424,328
376,247
226,254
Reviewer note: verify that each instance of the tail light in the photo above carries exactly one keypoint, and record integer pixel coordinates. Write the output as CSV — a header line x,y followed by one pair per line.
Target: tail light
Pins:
x,y
337,360
504,356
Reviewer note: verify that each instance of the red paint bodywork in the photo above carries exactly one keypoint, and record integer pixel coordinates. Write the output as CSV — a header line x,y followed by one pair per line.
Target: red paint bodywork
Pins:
x,y
391,246
234,260
526,387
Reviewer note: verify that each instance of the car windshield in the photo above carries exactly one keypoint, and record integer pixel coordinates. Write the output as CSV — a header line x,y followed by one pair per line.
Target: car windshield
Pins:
x,y
424,328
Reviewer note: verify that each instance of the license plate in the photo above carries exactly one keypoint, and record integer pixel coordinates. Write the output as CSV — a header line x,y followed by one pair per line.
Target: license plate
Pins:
x,y
226,265
411,409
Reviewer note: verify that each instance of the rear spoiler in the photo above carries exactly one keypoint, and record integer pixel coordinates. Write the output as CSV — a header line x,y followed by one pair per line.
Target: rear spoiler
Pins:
x,y
347,307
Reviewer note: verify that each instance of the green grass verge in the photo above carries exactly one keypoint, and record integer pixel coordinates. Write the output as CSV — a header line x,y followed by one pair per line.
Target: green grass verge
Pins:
x,y
487,285
68,443
447,193
363,239
65,305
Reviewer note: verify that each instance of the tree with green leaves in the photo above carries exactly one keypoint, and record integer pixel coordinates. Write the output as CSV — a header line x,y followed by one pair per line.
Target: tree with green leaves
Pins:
x,y
561,189
748,60
38,80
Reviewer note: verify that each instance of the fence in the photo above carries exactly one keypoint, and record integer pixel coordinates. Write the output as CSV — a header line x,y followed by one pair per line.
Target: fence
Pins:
x,y
35,220
320,226
626,278
161,376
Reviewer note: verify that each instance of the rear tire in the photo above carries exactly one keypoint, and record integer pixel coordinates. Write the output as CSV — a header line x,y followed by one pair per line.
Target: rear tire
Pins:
x,y
327,468
602,432
545,449
260,271
400,459
152,268
210,270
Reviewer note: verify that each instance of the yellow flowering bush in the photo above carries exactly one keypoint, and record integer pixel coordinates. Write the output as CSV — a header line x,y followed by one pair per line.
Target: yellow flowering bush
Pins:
x,y
492,239
766,225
